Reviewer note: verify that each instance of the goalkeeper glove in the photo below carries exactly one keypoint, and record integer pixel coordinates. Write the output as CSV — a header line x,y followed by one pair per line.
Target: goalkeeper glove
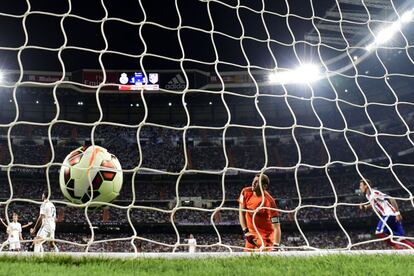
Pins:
x,y
249,237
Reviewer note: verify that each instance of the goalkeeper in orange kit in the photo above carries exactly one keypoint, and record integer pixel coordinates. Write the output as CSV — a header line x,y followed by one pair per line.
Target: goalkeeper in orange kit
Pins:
x,y
266,220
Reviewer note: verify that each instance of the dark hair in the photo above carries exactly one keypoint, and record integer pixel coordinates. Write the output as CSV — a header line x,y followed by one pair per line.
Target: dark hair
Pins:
x,y
366,181
264,179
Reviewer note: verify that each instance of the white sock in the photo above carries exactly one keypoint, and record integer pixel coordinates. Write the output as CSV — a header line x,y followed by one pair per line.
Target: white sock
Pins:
x,y
56,248
37,248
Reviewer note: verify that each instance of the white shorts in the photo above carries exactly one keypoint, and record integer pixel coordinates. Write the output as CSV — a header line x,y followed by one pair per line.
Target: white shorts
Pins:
x,y
46,232
14,244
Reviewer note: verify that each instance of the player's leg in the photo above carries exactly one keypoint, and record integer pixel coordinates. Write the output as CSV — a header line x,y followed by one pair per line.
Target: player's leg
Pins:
x,y
48,233
52,240
11,245
269,241
382,231
14,245
408,243
39,239
54,246
17,246
38,244
398,231
249,247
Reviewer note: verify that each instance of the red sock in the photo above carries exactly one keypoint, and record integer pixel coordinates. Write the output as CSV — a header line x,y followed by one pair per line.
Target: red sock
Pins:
x,y
409,243
388,241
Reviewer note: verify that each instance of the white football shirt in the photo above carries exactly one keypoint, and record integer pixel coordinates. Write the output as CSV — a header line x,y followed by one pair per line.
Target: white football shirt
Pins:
x,y
49,211
380,202
14,229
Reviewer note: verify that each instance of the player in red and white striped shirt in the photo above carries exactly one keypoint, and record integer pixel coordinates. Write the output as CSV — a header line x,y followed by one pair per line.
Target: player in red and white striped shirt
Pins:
x,y
387,208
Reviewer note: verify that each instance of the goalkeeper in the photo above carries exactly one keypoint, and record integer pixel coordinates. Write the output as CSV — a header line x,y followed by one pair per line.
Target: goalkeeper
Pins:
x,y
266,220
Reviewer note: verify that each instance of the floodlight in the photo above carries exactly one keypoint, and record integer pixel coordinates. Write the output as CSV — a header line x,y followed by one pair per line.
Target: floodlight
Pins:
x,y
304,74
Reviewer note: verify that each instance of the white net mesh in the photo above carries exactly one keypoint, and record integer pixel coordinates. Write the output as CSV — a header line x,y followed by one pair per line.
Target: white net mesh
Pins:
x,y
231,103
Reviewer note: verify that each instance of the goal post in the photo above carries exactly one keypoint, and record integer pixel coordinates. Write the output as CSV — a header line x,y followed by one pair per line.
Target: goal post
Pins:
x,y
195,99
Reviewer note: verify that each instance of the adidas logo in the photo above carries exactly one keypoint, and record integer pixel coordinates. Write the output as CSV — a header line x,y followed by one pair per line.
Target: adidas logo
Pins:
x,y
176,83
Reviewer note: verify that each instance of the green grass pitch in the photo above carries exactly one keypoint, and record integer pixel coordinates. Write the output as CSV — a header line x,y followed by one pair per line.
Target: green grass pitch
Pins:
x,y
255,265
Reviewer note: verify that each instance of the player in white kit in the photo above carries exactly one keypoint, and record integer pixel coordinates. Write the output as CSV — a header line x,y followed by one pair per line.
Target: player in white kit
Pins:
x,y
192,243
47,223
14,230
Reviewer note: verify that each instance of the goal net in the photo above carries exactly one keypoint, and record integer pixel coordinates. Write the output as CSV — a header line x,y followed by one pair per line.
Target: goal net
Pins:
x,y
197,97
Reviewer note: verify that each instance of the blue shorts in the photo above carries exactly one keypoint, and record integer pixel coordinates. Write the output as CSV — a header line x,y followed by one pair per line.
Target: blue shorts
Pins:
x,y
396,226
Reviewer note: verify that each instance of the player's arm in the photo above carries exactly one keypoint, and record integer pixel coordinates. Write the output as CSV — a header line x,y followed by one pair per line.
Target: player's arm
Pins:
x,y
277,231
397,210
27,225
37,225
242,217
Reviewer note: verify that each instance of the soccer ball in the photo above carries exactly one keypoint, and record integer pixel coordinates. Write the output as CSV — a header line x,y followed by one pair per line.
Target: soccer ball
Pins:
x,y
90,173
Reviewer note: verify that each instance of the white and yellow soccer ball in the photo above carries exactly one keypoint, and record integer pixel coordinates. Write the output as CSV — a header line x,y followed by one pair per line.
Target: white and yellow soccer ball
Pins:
x,y
88,173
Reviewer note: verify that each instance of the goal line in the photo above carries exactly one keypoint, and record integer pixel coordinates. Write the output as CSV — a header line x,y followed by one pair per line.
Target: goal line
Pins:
x,y
203,255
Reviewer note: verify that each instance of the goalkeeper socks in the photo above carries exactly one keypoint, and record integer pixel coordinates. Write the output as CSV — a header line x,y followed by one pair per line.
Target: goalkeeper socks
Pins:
x,y
56,248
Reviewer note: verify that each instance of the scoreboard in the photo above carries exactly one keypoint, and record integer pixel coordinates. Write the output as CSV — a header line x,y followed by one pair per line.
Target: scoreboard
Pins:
x,y
137,81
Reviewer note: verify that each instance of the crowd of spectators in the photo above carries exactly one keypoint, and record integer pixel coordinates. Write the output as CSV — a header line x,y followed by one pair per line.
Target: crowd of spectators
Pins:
x,y
163,148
